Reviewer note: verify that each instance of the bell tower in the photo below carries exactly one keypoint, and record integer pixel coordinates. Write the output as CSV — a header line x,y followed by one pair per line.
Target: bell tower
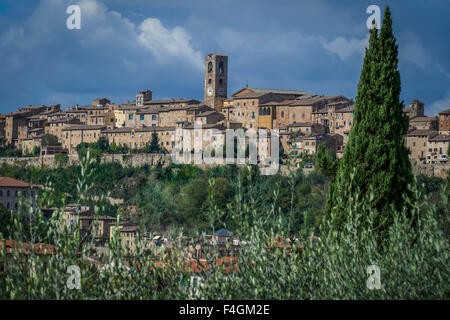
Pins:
x,y
216,79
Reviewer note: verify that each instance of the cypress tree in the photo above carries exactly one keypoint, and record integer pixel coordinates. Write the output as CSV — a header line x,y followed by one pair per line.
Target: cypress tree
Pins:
x,y
375,158
154,144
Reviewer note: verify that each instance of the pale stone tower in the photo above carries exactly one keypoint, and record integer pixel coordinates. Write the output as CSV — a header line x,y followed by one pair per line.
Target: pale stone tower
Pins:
x,y
216,79
416,109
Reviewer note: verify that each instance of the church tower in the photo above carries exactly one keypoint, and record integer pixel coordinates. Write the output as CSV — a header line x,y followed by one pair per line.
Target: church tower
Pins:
x,y
216,79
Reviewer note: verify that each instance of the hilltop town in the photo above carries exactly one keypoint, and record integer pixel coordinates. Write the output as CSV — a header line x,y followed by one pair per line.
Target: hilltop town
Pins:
x,y
303,120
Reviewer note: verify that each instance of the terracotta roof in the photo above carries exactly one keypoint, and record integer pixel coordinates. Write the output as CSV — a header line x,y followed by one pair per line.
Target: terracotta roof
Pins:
x,y
10,182
83,127
145,129
429,133
445,112
265,91
345,109
207,126
301,124
39,248
441,137
422,119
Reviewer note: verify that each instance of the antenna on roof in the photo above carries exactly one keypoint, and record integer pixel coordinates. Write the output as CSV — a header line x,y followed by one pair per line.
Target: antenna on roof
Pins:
x,y
246,83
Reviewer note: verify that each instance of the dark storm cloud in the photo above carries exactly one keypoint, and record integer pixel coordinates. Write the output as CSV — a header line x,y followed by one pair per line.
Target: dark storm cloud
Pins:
x,y
125,46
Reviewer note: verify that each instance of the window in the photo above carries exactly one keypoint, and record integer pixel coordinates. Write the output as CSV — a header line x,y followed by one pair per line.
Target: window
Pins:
x,y
130,117
209,81
141,117
210,67
220,81
1,193
8,193
221,67
282,114
253,115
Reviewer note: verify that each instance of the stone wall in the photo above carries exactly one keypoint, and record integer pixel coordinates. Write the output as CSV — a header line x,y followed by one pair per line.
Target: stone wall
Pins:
x,y
437,170
134,160
137,160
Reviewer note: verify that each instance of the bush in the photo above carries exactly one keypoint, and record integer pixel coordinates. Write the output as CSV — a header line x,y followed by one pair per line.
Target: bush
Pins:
x,y
413,259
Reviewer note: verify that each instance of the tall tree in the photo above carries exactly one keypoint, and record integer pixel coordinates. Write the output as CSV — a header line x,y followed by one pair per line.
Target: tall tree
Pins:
x,y
375,158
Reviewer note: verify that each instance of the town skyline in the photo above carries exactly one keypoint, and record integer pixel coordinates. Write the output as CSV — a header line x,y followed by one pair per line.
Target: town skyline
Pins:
x,y
66,64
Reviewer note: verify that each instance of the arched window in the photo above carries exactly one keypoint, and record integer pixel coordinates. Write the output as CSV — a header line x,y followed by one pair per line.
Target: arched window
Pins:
x,y
221,67
210,67
268,111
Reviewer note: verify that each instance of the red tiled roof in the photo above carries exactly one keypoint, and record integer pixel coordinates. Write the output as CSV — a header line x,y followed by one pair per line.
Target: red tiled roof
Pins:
x,y
10,182
39,248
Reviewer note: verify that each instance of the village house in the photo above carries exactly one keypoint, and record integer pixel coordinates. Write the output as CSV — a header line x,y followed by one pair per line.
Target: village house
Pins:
x,y
55,127
11,190
417,142
16,123
96,227
135,138
437,148
73,135
444,122
246,104
130,236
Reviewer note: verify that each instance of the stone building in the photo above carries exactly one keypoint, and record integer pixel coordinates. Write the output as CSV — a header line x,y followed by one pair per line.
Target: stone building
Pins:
x,y
2,126
437,148
77,112
16,123
11,190
143,97
417,142
247,101
135,138
423,123
444,122
73,135
415,109
307,128
55,127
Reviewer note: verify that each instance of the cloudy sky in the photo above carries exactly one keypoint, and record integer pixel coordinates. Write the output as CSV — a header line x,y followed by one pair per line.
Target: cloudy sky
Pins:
x,y
129,45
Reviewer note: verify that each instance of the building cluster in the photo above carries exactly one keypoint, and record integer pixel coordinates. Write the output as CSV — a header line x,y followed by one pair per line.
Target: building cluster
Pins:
x,y
428,138
100,230
303,120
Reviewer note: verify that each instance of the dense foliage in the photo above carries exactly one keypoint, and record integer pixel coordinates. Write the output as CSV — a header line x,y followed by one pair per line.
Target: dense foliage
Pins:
x,y
414,265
